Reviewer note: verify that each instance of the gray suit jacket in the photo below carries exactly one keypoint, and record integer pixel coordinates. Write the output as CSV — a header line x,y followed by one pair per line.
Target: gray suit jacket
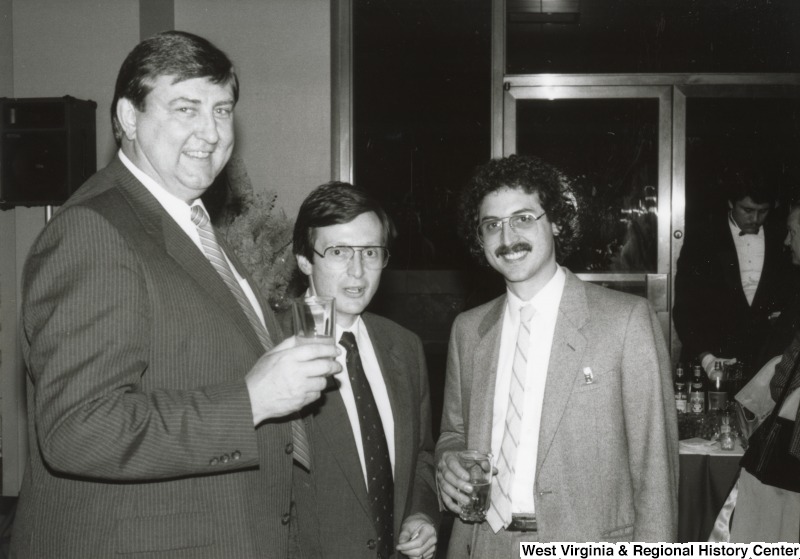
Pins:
x,y
332,504
142,437
607,465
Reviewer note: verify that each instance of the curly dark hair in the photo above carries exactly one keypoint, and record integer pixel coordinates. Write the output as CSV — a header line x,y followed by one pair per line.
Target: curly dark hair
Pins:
x,y
532,175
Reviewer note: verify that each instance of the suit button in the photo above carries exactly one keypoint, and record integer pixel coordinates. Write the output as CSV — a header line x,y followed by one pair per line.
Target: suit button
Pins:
x,y
224,458
213,462
236,455
285,519
371,544
289,448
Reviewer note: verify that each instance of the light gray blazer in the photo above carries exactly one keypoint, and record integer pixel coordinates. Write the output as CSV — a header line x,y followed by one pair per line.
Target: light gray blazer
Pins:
x,y
607,465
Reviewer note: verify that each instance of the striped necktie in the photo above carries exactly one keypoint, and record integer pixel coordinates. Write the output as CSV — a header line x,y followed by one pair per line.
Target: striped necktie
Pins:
x,y
300,447
499,514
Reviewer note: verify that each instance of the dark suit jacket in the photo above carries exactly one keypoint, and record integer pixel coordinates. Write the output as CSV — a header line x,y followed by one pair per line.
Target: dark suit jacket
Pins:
x,y
141,430
711,312
607,460
332,504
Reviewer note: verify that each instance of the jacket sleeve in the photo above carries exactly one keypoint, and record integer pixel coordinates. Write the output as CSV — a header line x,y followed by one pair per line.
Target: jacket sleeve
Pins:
x,y
89,329
651,427
423,498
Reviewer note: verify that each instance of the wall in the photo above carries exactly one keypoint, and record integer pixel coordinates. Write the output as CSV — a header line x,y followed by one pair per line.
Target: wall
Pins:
x,y
51,48
281,50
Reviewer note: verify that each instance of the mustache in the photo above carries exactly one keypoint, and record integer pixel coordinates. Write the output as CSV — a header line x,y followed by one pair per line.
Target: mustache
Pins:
x,y
519,246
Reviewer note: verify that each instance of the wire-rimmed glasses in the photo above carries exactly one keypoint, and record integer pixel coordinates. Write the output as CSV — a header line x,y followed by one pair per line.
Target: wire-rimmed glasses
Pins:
x,y
372,257
491,229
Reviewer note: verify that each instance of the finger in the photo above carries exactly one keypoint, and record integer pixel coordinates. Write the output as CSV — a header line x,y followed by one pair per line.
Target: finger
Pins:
x,y
318,368
308,351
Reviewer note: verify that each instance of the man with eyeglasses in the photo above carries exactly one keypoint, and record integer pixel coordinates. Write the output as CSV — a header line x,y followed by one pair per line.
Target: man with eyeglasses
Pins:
x,y
566,383
371,490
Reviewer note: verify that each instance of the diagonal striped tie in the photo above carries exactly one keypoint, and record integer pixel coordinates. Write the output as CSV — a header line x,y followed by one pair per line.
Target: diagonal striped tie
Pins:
x,y
301,451
499,514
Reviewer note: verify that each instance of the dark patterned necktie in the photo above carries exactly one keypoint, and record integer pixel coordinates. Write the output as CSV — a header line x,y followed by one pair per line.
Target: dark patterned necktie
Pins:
x,y
376,450
301,450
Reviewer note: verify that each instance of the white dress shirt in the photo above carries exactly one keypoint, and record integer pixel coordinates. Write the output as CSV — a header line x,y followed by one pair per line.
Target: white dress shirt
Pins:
x,y
181,213
376,384
543,324
750,252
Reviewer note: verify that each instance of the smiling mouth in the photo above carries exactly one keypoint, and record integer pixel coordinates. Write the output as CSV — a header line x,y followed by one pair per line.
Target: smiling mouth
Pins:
x,y
513,253
200,155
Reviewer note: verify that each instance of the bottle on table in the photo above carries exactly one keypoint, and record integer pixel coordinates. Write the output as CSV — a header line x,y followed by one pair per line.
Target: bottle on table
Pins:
x,y
697,394
726,436
717,389
681,392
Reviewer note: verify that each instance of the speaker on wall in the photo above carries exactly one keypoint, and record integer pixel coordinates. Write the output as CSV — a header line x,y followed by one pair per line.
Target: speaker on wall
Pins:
x,y
47,149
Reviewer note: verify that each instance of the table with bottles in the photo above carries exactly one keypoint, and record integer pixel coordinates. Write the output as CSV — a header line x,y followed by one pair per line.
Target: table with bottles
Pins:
x,y
711,445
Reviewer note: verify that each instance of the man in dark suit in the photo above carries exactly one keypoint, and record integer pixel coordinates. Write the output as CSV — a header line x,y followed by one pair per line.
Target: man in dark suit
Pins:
x,y
371,489
567,384
160,414
732,279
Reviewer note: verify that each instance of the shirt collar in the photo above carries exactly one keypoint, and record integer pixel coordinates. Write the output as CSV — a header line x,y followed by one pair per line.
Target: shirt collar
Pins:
x,y
174,205
546,301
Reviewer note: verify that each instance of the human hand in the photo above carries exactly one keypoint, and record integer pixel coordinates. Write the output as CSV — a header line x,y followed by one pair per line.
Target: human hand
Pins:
x,y
709,360
417,537
453,482
289,377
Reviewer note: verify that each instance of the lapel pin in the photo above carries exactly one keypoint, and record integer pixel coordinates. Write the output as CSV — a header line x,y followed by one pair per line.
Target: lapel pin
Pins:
x,y
588,376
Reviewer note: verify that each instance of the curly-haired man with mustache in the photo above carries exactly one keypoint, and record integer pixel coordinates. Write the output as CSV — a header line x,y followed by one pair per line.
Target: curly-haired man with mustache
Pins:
x,y
566,383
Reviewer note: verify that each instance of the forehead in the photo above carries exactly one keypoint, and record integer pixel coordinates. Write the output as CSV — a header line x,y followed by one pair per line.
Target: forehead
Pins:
x,y
197,89
506,201
365,229
747,203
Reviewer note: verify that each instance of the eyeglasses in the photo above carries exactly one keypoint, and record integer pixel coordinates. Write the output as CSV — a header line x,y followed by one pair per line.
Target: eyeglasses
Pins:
x,y
492,229
372,257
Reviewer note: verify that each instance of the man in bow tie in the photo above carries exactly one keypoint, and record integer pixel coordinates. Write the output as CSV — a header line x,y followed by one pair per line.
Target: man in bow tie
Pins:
x,y
732,277
370,493
566,383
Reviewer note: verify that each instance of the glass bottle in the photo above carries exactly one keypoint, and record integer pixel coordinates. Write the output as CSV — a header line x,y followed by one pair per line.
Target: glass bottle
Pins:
x,y
681,394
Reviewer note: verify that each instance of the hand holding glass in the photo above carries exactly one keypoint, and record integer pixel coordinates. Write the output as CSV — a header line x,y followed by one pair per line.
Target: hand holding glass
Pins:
x,y
479,467
314,319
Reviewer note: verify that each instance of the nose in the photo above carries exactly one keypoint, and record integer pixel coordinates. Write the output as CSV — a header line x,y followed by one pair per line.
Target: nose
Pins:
x,y
787,242
356,265
508,233
206,128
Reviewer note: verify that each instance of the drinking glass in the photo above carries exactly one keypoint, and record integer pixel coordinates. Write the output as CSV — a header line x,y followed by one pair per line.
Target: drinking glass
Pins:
x,y
314,319
479,466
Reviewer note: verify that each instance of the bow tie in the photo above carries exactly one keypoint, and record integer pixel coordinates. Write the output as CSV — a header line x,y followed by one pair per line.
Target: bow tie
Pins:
x,y
743,233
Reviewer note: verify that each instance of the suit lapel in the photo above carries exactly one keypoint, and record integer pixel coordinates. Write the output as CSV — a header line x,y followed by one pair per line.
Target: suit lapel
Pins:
x,y
484,375
728,262
393,365
160,225
566,354
333,425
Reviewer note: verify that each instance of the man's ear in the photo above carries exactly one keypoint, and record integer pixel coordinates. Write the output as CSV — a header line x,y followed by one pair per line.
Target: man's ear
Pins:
x,y
304,265
126,115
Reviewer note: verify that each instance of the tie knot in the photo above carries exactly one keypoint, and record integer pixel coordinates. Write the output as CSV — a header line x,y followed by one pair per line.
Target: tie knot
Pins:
x,y
348,341
526,313
199,216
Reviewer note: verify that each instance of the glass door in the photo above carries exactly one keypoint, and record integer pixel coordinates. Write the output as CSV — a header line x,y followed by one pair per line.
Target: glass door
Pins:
x,y
613,143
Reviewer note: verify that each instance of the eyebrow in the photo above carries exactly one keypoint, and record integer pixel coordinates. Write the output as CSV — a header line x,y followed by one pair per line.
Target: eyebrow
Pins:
x,y
518,212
